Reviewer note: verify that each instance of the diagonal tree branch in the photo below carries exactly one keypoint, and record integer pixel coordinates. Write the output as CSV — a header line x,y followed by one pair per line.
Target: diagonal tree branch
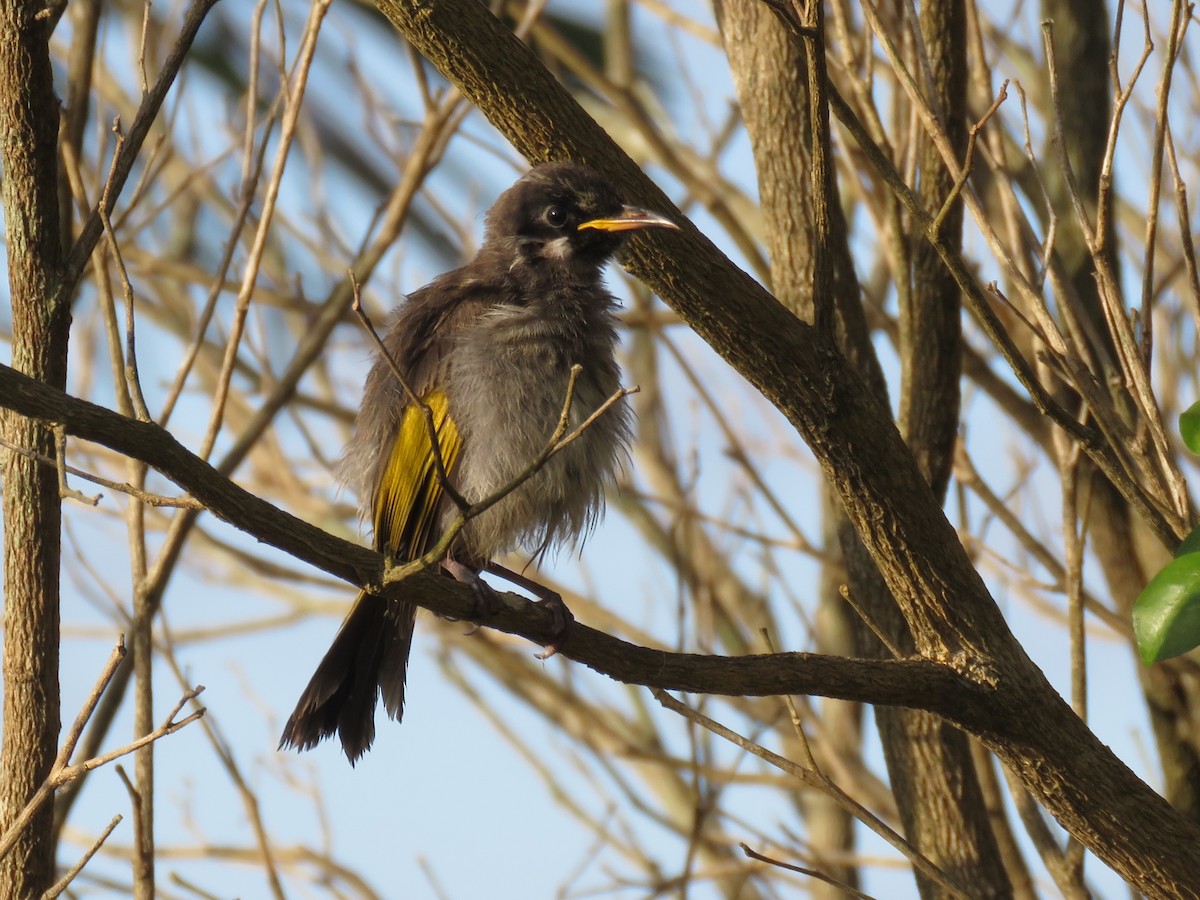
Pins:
x,y
130,148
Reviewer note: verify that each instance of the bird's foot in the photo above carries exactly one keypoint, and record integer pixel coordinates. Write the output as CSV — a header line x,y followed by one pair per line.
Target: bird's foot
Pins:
x,y
552,601
549,599
487,599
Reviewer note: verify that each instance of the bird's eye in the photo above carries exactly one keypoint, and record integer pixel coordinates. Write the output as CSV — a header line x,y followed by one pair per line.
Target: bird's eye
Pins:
x,y
556,216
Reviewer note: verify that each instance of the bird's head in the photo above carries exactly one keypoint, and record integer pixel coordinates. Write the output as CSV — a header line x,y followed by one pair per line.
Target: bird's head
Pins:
x,y
564,214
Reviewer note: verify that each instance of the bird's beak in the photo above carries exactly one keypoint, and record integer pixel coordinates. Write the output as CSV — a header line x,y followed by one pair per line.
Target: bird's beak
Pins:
x,y
629,218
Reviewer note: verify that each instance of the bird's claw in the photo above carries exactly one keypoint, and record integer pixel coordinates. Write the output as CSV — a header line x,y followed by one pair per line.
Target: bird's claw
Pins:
x,y
486,601
563,620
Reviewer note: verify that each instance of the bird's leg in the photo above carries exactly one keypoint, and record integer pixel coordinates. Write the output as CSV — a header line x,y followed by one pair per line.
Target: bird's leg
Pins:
x,y
487,601
552,601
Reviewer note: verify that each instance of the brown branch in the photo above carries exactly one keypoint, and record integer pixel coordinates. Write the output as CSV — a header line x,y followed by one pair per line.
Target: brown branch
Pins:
x,y
911,682
62,772
123,164
124,488
811,873
32,508
61,885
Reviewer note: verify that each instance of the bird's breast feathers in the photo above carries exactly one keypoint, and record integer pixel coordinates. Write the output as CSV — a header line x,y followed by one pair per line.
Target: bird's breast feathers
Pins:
x,y
507,384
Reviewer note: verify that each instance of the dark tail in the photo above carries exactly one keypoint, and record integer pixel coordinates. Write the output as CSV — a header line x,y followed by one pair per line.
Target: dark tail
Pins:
x,y
368,657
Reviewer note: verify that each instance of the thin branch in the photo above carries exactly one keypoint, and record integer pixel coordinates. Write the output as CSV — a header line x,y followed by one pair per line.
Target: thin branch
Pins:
x,y
878,630
1174,42
60,466
818,781
77,258
61,773
123,487
130,372
797,723
1185,229
89,703
61,885
811,873
960,182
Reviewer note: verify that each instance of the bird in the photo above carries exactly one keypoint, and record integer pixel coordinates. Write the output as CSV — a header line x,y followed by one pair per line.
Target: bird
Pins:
x,y
488,350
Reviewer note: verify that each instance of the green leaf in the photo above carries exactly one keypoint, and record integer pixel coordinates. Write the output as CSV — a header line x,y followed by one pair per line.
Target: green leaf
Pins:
x,y
1166,616
1189,427
1190,544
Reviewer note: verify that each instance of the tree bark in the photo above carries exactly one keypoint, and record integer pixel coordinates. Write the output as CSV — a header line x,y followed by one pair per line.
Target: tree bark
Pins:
x,y
929,762
767,64
32,514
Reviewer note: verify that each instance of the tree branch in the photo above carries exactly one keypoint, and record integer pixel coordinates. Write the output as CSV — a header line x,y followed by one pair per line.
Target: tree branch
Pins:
x,y
129,149
913,682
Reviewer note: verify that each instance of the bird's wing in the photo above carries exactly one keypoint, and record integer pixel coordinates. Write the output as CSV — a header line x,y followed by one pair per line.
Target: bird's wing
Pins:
x,y
409,496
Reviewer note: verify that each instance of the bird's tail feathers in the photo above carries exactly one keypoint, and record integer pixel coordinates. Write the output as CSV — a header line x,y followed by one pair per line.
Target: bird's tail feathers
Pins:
x,y
368,656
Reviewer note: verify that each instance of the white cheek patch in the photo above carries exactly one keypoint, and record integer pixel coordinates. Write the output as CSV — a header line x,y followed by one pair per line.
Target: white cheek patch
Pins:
x,y
559,248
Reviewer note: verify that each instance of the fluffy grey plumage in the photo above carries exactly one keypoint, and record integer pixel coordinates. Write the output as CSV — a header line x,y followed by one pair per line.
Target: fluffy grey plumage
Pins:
x,y
498,338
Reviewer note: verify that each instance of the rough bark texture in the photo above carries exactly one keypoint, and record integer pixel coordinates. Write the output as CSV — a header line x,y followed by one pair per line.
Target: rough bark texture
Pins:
x,y
767,63
28,132
887,499
929,762
930,313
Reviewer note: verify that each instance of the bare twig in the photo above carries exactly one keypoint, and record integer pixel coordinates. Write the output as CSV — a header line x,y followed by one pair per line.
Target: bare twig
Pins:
x,y
60,466
818,781
133,382
62,773
878,630
146,114
1185,227
61,885
968,161
124,488
797,723
811,873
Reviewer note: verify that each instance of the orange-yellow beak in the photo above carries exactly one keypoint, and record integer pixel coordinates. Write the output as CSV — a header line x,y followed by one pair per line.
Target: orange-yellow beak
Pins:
x,y
629,218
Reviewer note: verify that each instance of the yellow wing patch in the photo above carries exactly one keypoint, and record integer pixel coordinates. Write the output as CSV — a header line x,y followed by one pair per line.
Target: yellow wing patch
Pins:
x,y
409,494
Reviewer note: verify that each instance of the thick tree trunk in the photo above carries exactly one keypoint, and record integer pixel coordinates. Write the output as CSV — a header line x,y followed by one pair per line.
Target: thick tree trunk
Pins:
x,y
767,63
28,134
